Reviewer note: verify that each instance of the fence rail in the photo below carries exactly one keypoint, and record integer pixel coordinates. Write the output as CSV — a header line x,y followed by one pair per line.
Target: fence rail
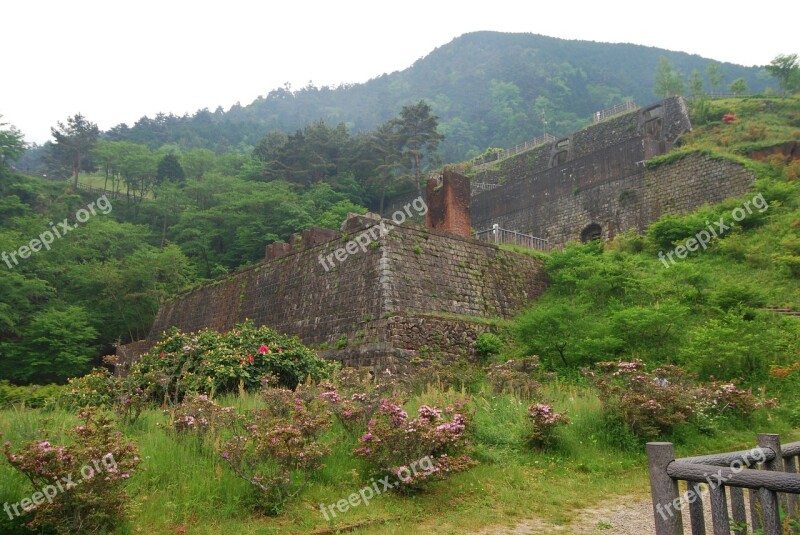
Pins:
x,y
480,187
500,236
769,472
481,163
618,109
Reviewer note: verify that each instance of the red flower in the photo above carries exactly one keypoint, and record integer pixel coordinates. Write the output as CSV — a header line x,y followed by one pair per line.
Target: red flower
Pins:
x,y
251,359
162,354
280,350
241,361
263,349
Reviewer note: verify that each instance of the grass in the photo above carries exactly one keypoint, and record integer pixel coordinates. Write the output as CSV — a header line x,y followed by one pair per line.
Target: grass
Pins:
x,y
185,486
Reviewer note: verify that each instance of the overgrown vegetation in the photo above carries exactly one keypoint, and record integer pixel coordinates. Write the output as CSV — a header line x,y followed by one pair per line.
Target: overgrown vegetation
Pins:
x,y
231,427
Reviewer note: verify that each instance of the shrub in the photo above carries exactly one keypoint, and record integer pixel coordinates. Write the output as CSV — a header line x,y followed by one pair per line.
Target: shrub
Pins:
x,y
200,416
436,437
488,345
214,363
514,377
738,345
653,403
99,463
544,420
97,388
276,449
356,399
33,396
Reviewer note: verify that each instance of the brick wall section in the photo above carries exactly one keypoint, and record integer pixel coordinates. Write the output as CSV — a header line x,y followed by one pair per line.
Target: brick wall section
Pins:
x,y
448,200
631,201
410,270
604,181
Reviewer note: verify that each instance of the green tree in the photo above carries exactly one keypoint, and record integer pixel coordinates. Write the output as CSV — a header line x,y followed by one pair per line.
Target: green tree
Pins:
x,y
738,86
74,142
169,168
786,68
420,137
696,86
715,76
198,162
56,345
12,145
668,81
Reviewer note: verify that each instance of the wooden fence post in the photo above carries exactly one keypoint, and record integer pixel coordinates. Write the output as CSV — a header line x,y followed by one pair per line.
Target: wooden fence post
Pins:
x,y
664,489
769,499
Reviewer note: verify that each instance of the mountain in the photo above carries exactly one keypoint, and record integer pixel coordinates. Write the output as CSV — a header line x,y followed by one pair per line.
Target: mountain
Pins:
x,y
488,89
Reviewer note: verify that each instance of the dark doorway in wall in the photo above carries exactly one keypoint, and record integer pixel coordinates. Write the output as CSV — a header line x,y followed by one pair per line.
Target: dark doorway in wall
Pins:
x,y
591,232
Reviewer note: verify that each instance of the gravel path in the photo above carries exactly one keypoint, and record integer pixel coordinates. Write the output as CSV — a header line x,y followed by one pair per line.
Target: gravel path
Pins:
x,y
618,516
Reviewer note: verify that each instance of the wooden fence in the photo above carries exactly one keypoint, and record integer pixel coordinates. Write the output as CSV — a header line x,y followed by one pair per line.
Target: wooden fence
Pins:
x,y
769,472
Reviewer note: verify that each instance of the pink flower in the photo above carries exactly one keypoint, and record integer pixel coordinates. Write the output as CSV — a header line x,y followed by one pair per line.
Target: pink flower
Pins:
x,y
263,349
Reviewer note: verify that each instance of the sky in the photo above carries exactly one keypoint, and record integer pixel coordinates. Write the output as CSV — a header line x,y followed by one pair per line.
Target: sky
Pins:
x,y
116,61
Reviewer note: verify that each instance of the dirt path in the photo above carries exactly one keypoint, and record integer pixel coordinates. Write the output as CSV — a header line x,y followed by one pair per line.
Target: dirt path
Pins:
x,y
617,516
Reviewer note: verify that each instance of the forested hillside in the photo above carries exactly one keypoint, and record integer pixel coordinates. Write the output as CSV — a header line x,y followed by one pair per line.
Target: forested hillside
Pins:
x,y
488,89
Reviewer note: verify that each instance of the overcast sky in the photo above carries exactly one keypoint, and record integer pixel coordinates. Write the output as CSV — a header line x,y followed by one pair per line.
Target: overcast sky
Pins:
x,y
115,61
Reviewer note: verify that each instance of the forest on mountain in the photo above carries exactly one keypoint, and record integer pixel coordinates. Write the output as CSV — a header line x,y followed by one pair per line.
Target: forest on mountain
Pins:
x,y
184,213
489,89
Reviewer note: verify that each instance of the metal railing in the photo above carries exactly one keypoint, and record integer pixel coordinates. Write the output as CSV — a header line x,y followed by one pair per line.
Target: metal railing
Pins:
x,y
500,236
619,109
481,163
480,187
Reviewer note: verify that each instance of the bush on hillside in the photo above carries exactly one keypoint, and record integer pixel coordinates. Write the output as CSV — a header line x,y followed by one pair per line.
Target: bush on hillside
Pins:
x,y
653,403
415,451
98,463
213,363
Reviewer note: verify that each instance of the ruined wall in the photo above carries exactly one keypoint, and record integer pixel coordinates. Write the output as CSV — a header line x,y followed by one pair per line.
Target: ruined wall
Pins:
x,y
630,201
369,298
448,200
597,184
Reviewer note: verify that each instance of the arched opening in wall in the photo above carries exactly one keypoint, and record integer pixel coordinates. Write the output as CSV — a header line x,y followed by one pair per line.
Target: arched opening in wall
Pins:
x,y
561,152
652,128
591,232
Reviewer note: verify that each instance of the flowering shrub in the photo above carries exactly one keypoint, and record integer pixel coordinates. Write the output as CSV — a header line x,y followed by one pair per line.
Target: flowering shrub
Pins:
x,y
544,421
95,389
394,440
514,377
356,399
275,449
652,403
214,363
199,415
86,478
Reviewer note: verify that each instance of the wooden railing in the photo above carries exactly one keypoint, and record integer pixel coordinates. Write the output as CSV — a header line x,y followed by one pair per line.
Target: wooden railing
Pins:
x,y
769,472
500,236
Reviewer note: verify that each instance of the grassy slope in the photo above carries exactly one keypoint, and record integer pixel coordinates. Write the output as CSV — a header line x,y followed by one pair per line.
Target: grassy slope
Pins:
x,y
185,485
